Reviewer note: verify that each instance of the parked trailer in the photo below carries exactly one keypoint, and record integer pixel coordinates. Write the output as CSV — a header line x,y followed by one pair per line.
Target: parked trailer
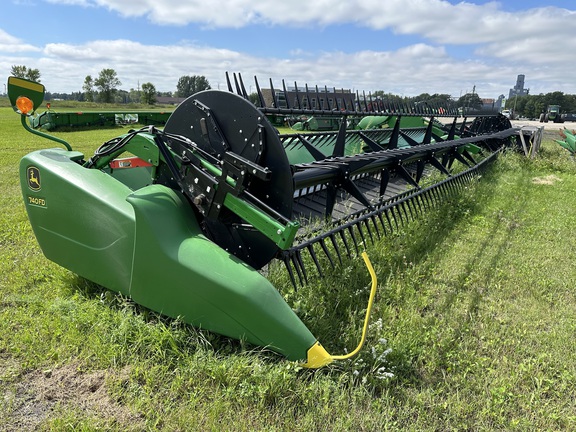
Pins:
x,y
52,120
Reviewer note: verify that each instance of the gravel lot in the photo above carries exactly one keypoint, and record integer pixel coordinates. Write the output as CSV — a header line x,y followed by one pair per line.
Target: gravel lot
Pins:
x,y
547,126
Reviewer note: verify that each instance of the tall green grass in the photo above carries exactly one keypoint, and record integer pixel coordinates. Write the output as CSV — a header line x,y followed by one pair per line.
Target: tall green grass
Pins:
x,y
473,325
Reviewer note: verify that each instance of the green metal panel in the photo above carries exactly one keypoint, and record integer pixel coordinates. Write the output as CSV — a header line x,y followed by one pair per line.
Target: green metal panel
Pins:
x,y
148,245
370,122
180,273
79,216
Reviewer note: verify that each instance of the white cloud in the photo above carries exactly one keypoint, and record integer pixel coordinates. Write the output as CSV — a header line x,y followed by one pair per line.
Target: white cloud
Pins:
x,y
438,20
531,33
11,44
537,42
410,70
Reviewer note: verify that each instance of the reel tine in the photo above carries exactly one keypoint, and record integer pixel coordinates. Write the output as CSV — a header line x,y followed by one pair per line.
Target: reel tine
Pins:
x,y
424,200
403,208
325,250
274,97
297,95
301,264
319,100
327,98
359,228
352,108
374,222
416,204
286,260
395,212
434,194
354,240
244,94
336,248
297,268
382,223
310,248
228,83
343,237
286,98
371,103
406,204
413,205
260,95
399,213
389,220
388,106
238,91
458,183
308,98
442,188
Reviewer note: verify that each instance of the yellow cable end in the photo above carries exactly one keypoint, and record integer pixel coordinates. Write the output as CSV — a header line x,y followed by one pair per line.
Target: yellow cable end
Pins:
x,y
317,357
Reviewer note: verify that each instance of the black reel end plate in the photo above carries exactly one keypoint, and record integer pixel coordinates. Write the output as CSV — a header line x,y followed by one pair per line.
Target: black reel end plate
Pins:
x,y
220,122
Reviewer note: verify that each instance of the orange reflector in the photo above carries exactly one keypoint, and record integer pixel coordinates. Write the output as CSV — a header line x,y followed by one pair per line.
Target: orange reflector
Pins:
x,y
24,105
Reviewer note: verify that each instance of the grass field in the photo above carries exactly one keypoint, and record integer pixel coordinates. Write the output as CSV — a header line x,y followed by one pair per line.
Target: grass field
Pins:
x,y
473,326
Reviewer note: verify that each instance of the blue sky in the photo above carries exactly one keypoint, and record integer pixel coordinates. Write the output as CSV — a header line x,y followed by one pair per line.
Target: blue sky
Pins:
x,y
399,46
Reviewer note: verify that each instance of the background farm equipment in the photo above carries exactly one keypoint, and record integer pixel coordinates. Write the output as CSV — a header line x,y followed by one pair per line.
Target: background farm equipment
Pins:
x,y
51,120
318,123
182,219
552,114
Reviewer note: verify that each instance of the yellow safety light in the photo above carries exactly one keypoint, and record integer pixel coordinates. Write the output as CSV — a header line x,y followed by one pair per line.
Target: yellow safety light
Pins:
x,y
24,105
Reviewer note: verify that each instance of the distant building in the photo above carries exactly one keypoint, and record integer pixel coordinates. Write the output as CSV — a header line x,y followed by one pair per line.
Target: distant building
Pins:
x,y
518,89
494,104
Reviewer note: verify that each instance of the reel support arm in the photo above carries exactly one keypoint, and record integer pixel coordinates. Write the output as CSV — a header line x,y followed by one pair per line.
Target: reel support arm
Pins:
x,y
211,188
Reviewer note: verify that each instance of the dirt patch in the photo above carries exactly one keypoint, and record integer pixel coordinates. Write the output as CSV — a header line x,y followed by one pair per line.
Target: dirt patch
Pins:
x,y
36,395
548,180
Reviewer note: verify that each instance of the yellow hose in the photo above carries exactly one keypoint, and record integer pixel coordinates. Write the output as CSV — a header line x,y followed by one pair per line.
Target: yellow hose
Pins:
x,y
318,356
368,310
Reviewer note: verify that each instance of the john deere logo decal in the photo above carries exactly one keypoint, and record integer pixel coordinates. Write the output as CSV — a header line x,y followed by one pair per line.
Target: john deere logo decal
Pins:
x,y
33,178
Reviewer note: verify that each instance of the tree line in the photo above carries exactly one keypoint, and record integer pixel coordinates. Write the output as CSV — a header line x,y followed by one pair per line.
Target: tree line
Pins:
x,y
532,106
105,87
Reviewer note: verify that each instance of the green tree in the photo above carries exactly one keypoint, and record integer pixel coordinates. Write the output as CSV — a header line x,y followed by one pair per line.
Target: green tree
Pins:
x,y
188,85
107,83
26,73
88,88
253,97
135,95
148,95
470,101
